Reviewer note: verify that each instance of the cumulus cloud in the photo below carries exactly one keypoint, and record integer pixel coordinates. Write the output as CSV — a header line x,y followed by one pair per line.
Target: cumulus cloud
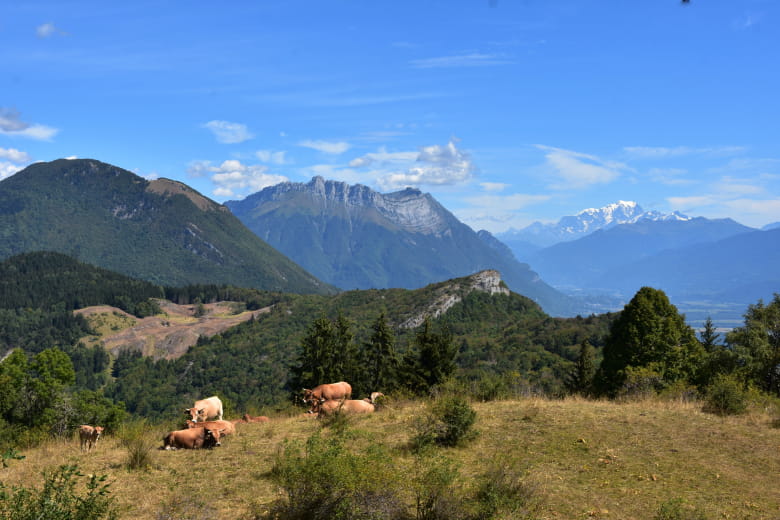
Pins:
x,y
232,178
229,133
11,124
575,170
434,165
11,161
269,156
14,155
328,147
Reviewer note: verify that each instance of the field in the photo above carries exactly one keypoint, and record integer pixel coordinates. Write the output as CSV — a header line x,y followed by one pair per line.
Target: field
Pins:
x,y
577,458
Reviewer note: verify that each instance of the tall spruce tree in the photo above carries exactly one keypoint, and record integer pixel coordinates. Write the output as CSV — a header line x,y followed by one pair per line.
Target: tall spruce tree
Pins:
x,y
652,336
379,359
580,380
431,359
328,354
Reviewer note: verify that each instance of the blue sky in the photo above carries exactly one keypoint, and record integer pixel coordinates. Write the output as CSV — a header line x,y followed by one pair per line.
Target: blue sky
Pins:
x,y
507,112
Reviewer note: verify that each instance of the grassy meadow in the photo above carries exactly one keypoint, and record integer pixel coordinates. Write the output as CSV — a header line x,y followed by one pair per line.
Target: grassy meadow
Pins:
x,y
572,458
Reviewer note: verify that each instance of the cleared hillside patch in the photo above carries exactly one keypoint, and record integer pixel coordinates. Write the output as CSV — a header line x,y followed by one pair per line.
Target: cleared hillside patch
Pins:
x,y
578,459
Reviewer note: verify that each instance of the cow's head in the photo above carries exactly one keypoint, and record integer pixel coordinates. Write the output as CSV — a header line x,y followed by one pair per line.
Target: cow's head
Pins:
x,y
98,432
212,437
308,395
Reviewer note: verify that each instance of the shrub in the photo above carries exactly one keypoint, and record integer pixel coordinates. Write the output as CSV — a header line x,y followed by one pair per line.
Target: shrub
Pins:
x,y
448,422
59,499
325,480
676,509
505,491
726,396
134,437
640,383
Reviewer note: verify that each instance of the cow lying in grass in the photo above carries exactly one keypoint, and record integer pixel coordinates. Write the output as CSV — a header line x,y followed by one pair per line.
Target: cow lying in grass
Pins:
x,y
350,406
192,439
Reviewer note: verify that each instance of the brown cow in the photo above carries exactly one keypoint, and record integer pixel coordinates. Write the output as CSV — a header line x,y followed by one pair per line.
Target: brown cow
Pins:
x,y
224,427
346,406
205,409
260,418
89,436
331,391
192,439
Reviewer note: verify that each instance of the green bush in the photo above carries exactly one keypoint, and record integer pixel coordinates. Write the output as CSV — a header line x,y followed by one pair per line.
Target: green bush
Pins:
x,y
135,438
448,422
726,396
505,491
59,499
677,509
324,480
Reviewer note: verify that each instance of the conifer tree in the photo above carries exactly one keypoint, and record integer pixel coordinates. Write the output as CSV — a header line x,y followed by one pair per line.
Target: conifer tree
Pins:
x,y
581,379
379,358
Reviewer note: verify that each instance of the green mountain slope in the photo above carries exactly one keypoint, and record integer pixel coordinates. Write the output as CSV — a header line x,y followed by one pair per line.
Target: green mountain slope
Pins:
x,y
161,231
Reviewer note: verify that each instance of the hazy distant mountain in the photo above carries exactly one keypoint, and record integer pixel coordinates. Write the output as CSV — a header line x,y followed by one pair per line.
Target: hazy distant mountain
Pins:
x,y
356,238
589,262
538,235
161,231
773,225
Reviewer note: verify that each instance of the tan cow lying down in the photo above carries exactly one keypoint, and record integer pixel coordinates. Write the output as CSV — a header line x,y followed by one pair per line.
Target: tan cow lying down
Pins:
x,y
192,439
89,436
345,406
224,427
205,409
329,392
260,418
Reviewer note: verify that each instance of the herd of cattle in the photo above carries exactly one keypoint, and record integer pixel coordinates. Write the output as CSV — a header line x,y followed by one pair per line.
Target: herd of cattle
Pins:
x,y
205,426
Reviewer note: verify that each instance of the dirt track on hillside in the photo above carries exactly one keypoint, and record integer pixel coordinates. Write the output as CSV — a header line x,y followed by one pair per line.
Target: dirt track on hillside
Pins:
x,y
169,335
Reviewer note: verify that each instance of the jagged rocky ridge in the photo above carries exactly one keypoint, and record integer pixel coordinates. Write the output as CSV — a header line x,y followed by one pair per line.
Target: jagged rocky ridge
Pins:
x,y
356,238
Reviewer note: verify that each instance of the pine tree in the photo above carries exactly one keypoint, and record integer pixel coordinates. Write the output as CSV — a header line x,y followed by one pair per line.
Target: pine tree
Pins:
x,y
581,378
379,358
432,358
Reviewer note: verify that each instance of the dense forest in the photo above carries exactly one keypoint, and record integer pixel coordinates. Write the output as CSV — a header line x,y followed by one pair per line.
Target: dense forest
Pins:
x,y
488,346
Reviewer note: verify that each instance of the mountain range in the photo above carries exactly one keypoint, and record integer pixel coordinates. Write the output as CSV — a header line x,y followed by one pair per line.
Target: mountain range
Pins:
x,y
353,237
539,235
161,231
708,267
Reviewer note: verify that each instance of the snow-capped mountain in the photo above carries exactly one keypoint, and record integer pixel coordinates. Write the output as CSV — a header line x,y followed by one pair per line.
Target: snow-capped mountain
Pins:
x,y
539,234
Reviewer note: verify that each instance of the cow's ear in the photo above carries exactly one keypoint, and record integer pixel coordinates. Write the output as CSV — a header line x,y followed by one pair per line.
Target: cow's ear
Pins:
x,y
201,411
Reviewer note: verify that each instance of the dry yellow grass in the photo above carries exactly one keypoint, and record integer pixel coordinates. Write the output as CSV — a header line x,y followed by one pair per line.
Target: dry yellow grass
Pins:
x,y
586,459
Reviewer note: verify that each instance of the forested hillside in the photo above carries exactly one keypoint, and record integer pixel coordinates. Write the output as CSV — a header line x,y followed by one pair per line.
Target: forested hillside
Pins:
x,y
500,340
161,231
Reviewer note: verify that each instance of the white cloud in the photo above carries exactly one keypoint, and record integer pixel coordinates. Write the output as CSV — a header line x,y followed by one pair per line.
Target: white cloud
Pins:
x,y
494,186
665,152
229,133
14,155
8,168
232,178
12,124
473,59
499,213
328,147
434,165
45,30
577,170
384,159
269,156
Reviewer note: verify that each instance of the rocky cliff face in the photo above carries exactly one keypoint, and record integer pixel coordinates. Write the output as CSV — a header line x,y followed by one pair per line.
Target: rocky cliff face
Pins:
x,y
356,238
